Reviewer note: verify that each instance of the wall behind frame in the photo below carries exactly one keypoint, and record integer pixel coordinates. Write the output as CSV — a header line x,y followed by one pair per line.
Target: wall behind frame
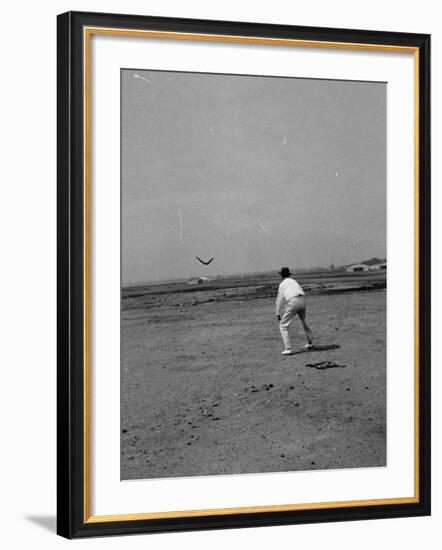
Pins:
x,y
28,279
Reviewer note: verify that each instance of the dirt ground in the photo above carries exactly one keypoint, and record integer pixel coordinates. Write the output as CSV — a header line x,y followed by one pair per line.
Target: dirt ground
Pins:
x,y
205,390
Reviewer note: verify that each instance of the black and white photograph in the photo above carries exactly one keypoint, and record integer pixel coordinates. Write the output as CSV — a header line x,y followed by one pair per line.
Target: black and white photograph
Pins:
x,y
253,274
219,234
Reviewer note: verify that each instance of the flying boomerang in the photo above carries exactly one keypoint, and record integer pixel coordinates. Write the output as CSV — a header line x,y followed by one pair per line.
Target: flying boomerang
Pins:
x,y
203,262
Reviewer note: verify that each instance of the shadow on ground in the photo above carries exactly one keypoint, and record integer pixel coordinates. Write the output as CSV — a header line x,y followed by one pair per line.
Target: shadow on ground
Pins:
x,y
317,348
49,523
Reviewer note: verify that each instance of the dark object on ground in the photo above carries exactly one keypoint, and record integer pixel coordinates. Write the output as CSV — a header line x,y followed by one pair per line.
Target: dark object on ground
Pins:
x,y
325,365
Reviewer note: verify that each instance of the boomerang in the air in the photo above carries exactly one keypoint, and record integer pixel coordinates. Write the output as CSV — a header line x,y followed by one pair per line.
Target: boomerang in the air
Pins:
x,y
203,262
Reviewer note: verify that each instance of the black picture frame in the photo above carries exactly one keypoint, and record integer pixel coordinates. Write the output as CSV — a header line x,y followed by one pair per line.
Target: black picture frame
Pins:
x,y
72,393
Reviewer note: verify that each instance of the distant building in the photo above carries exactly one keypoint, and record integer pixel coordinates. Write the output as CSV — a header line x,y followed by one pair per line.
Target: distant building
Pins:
x,y
357,267
378,267
198,280
372,261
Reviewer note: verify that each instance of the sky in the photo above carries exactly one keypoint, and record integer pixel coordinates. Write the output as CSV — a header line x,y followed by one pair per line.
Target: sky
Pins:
x,y
257,172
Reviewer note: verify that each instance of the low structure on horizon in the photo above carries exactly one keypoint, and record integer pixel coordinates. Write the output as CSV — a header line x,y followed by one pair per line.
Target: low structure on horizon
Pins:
x,y
198,280
366,267
378,267
357,267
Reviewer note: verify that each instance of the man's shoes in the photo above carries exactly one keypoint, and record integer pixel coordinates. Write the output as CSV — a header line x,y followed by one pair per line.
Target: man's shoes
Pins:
x,y
308,346
287,352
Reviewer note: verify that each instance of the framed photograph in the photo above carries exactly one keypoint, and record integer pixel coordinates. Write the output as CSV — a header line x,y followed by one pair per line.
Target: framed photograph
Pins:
x,y
243,274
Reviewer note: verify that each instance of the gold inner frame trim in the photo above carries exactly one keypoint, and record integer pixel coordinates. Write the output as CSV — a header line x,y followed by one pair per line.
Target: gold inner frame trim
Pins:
x,y
248,510
87,33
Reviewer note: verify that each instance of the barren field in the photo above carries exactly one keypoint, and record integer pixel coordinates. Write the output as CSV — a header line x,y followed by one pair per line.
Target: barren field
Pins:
x,y
205,390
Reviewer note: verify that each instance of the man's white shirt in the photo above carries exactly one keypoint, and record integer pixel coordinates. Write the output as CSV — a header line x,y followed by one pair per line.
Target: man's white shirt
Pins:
x,y
287,290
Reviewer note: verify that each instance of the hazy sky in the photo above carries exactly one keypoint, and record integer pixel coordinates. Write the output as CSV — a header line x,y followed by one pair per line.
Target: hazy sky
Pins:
x,y
259,172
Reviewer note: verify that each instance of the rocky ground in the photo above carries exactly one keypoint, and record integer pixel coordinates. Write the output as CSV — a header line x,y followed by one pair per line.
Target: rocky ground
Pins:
x,y
205,390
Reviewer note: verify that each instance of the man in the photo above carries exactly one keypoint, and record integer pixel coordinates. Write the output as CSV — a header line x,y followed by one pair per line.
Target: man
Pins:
x,y
292,296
